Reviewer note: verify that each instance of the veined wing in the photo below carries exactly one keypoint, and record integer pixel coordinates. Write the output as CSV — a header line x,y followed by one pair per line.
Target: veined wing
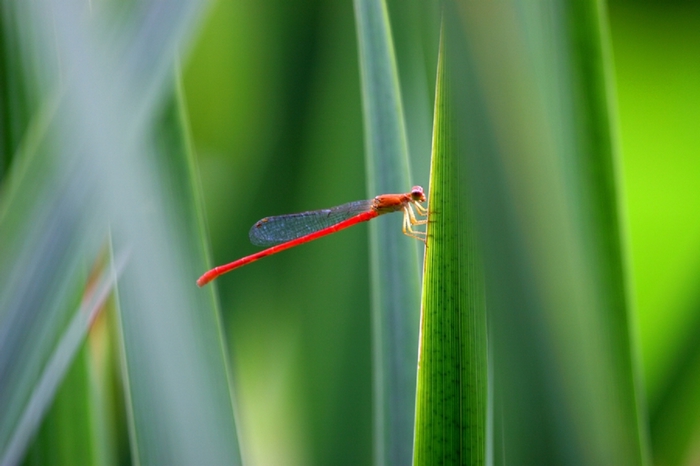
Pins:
x,y
282,228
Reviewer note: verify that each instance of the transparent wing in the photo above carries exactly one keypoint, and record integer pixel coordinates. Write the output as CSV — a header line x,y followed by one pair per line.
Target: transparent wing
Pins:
x,y
279,229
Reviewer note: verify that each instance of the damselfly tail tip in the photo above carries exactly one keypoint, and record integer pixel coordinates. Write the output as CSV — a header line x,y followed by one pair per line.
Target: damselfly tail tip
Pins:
x,y
203,280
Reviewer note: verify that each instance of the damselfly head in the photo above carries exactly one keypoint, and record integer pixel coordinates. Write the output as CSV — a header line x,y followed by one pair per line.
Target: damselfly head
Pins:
x,y
417,194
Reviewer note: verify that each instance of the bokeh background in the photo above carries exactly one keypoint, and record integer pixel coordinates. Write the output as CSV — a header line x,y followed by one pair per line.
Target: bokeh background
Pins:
x,y
270,93
274,103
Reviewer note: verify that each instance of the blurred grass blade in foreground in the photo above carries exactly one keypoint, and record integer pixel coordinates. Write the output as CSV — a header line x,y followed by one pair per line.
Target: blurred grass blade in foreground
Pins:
x,y
395,270
451,398
58,363
112,157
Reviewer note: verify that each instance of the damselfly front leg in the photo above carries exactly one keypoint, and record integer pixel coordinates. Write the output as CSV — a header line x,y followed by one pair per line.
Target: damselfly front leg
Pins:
x,y
409,220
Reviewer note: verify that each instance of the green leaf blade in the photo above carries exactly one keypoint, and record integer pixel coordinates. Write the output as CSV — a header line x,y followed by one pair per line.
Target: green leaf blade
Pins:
x,y
111,160
451,406
394,261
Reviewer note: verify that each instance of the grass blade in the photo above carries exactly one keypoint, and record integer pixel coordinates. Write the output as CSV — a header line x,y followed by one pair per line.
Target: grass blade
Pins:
x,y
56,368
113,156
451,399
177,346
394,261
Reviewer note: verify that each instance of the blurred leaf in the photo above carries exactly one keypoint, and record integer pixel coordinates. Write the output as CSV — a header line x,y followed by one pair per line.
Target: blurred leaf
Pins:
x,y
86,424
394,260
113,157
535,116
451,399
17,432
14,105
177,348
415,27
65,436
656,45
673,418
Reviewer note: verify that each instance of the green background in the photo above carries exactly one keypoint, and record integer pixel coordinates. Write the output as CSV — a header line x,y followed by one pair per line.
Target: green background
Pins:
x,y
270,95
273,95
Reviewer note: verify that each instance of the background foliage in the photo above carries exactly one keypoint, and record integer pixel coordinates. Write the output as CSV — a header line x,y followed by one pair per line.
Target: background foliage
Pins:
x,y
653,45
273,102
